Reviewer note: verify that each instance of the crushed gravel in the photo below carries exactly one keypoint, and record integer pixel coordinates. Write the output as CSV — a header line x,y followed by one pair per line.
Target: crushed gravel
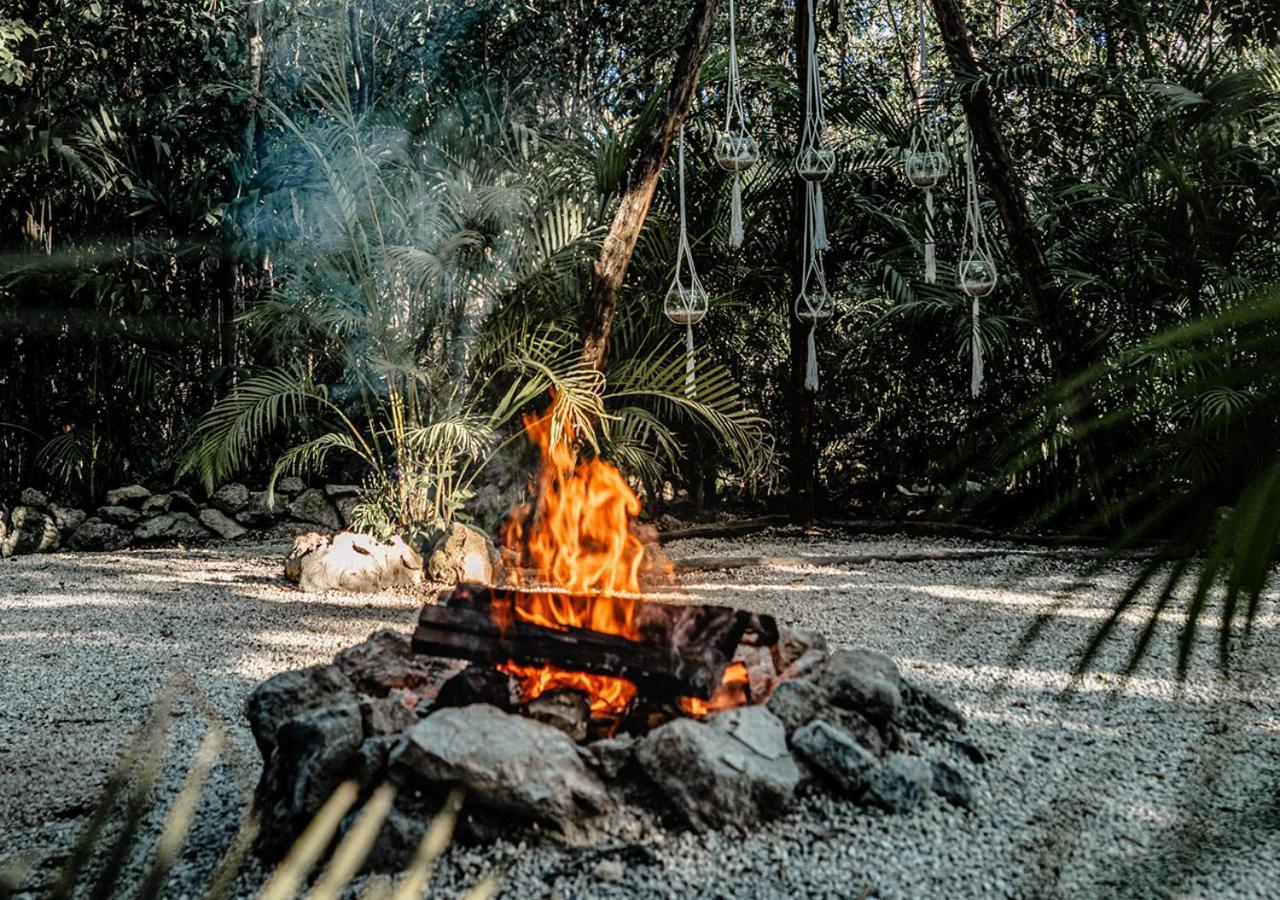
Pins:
x,y
1134,786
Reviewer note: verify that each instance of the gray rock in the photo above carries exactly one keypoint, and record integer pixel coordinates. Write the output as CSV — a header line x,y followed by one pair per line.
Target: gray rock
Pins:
x,y
397,842
950,785
734,769
290,486
346,507
312,507
290,694
180,501
95,534
67,518
864,681
611,756
794,643
568,711
386,662
506,762
34,498
836,754
156,504
29,531
797,702
259,513
462,554
131,495
218,522
334,491
230,498
4,526
354,563
303,546
900,784
119,515
387,716
610,870
173,527
761,674
314,753
928,713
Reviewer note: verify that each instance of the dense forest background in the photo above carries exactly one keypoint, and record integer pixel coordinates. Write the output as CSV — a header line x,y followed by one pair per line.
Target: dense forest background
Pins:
x,y
358,233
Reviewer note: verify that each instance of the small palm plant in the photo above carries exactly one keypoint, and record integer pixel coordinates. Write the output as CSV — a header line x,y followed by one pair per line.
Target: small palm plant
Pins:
x,y
417,313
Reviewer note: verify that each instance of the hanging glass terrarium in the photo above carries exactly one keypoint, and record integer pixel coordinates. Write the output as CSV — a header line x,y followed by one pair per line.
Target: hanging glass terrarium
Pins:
x,y
737,152
815,163
977,275
926,168
686,302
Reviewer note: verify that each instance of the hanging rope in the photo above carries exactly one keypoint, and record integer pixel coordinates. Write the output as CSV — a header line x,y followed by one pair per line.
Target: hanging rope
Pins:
x,y
926,166
814,163
976,275
686,301
736,150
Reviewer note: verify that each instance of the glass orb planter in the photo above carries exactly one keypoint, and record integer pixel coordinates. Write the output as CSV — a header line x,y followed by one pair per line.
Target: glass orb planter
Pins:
x,y
685,305
977,276
737,152
926,168
813,310
815,163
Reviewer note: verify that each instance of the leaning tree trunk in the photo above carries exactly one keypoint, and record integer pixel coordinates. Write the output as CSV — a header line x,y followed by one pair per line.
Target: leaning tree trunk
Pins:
x,y
1070,352
802,452
601,303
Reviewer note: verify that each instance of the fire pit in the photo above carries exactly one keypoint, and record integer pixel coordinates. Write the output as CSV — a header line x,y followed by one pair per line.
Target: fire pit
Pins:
x,y
576,699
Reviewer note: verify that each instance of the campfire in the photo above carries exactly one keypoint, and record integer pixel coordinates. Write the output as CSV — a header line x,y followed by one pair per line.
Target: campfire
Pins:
x,y
578,620
587,695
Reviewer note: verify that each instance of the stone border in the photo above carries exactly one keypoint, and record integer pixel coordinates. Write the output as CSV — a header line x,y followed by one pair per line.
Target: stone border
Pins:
x,y
133,516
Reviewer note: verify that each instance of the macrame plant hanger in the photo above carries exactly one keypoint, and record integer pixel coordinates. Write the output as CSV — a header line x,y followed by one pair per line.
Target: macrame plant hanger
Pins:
x,y
736,150
976,274
686,301
926,165
814,163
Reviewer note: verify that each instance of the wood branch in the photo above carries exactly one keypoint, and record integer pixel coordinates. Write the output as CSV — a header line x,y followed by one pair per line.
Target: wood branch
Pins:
x,y
961,530
724,563
682,650
601,302
724,529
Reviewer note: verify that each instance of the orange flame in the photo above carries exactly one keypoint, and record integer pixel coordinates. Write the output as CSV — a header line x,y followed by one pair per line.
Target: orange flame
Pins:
x,y
580,539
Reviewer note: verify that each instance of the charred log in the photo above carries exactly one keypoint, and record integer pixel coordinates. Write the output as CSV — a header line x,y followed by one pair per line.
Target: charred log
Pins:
x,y
681,650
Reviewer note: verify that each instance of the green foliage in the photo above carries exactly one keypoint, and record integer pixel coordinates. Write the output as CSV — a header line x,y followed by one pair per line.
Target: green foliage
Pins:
x,y
120,832
1205,488
418,264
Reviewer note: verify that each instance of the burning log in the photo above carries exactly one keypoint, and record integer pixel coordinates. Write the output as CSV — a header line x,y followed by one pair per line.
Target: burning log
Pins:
x,y
677,651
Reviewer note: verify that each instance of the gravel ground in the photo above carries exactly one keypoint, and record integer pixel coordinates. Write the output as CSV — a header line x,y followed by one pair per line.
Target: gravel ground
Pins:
x,y
1135,786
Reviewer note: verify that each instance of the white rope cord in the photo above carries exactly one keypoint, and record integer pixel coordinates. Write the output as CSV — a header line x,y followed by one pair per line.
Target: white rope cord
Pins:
x,y
686,301
926,165
813,163
736,150
976,274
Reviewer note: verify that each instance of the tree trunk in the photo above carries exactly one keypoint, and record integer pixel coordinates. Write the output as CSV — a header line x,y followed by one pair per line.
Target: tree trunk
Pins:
x,y
1070,350
1069,354
803,458
601,302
